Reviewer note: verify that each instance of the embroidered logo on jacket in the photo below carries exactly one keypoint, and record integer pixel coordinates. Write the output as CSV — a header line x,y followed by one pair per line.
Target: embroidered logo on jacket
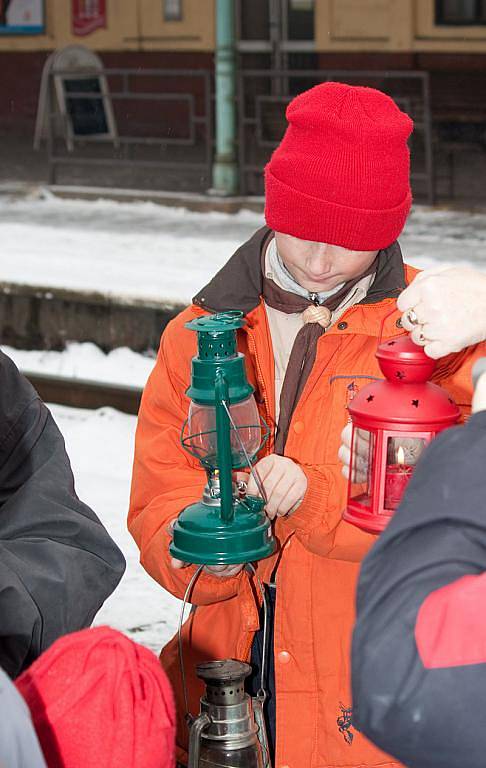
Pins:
x,y
351,392
344,723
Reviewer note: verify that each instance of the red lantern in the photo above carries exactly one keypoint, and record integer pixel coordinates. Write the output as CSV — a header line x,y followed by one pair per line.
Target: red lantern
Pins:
x,y
393,420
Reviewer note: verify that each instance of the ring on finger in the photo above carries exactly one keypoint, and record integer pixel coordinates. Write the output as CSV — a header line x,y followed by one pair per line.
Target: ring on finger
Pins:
x,y
412,317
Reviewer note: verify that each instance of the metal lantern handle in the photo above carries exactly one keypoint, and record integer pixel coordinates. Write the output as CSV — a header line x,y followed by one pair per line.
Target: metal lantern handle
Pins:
x,y
198,724
252,469
382,325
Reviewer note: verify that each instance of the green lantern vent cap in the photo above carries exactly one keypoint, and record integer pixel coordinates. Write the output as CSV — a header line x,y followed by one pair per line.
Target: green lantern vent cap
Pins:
x,y
216,335
218,323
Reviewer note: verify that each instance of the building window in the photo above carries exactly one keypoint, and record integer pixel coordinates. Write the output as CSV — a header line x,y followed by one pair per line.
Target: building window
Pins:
x,y
460,12
172,10
300,20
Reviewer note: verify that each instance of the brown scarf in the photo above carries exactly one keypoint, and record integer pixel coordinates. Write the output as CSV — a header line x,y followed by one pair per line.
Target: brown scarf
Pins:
x,y
304,348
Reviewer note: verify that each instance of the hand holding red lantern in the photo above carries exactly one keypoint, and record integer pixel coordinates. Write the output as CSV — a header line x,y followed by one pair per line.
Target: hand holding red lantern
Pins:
x,y
360,453
444,309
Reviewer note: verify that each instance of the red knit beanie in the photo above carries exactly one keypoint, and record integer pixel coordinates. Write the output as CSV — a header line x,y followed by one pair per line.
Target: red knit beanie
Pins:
x,y
99,699
341,172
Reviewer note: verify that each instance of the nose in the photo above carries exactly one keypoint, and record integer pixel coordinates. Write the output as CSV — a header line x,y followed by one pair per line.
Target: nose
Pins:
x,y
320,260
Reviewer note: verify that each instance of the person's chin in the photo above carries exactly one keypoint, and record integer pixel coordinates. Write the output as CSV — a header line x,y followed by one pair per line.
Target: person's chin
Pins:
x,y
322,286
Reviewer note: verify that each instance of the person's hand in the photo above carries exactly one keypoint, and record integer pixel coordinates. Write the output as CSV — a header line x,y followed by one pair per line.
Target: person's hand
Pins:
x,y
220,571
445,309
284,483
360,457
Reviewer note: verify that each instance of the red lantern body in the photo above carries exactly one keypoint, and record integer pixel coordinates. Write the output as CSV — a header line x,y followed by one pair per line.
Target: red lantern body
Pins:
x,y
393,420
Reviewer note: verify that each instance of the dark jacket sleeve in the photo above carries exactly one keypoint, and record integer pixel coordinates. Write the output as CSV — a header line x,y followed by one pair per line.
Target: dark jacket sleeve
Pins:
x,y
57,562
419,645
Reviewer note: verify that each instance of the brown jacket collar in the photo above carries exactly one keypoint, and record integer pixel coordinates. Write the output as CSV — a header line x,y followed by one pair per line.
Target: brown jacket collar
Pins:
x,y
238,284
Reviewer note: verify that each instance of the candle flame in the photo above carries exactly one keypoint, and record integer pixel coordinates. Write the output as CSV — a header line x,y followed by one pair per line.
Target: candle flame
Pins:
x,y
400,455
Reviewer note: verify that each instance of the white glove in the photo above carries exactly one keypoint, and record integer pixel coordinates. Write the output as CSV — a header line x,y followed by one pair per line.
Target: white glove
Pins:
x,y
445,309
361,452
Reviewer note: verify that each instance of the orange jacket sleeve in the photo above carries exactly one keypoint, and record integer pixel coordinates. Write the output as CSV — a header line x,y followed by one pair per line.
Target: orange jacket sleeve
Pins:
x,y
318,523
165,478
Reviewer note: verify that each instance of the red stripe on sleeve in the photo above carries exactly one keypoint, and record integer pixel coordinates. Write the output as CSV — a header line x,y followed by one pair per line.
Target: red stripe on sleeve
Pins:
x,y
451,624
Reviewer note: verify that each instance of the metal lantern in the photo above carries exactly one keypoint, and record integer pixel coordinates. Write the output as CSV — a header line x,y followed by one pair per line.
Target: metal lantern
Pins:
x,y
229,732
224,432
393,420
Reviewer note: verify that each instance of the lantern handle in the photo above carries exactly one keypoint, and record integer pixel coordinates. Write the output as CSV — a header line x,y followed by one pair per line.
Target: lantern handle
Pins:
x,y
261,693
382,324
253,471
187,716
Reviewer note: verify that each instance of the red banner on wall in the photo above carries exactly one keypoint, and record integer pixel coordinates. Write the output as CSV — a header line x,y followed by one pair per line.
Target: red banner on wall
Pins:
x,y
87,16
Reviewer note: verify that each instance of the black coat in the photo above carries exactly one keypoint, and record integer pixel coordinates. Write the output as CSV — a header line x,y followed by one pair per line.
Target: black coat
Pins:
x,y
57,562
428,707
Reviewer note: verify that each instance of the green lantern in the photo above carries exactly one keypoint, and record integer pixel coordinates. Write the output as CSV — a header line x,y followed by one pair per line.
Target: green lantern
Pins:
x,y
224,432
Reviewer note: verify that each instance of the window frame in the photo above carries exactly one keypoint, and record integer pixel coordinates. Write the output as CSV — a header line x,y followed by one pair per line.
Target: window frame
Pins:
x,y
440,21
170,15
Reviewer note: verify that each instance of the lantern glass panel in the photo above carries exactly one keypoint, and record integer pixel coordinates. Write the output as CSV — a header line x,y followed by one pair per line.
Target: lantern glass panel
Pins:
x,y
401,457
362,447
201,426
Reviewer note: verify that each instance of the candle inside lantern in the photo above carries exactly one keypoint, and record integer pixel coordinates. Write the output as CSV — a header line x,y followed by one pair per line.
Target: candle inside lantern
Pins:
x,y
396,479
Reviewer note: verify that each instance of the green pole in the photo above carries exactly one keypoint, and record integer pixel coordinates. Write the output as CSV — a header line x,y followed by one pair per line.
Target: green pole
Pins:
x,y
225,167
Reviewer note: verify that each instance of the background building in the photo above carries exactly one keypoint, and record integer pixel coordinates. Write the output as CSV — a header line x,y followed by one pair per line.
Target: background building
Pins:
x,y
429,54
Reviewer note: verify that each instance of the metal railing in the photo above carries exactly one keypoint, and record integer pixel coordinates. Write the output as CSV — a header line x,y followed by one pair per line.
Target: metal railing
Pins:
x,y
264,94
124,85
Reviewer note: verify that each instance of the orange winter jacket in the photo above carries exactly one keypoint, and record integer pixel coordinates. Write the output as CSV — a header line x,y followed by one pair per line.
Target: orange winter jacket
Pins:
x,y
319,554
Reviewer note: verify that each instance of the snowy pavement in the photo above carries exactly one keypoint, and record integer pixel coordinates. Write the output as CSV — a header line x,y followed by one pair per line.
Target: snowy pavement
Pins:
x,y
149,252
85,361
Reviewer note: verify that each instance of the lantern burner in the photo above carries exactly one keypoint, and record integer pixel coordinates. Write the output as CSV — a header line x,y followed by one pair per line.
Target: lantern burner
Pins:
x,y
224,680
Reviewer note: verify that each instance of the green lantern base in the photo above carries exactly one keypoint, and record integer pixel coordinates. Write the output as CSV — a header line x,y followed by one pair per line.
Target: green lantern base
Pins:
x,y
202,537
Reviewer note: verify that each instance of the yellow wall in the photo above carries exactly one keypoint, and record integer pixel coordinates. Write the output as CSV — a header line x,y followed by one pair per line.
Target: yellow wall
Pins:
x,y
369,25
135,25
390,25
194,32
341,25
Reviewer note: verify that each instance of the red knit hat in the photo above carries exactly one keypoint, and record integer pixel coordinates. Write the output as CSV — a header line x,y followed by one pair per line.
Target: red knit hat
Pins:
x,y
99,699
341,172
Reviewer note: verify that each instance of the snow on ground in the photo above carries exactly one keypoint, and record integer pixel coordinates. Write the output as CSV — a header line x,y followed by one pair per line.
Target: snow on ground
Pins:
x,y
86,361
154,253
100,446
